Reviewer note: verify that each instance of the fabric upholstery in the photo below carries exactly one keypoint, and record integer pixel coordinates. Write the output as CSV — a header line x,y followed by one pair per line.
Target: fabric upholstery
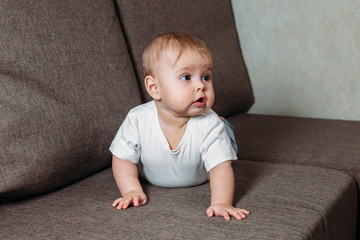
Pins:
x,y
332,144
200,18
323,143
286,202
67,81
66,85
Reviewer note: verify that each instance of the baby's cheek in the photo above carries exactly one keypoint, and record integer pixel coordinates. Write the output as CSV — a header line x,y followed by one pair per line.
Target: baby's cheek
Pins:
x,y
211,100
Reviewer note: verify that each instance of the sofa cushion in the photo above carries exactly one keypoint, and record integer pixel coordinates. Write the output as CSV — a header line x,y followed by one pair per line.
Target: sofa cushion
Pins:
x,y
293,140
212,22
66,85
286,202
332,144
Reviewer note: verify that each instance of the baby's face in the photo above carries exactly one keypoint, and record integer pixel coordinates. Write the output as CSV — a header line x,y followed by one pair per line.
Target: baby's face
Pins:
x,y
185,83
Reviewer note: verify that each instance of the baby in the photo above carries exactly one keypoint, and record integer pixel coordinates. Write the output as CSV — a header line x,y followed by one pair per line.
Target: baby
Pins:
x,y
176,140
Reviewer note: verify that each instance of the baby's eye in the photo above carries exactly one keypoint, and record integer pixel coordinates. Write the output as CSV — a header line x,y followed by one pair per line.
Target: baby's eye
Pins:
x,y
186,77
206,78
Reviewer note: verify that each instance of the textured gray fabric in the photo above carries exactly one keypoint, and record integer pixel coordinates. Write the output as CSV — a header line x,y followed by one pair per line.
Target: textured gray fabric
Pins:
x,y
67,82
333,144
315,142
66,85
212,22
287,202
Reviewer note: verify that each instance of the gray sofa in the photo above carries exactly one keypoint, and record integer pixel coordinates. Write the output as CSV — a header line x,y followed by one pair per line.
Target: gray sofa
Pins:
x,y
71,70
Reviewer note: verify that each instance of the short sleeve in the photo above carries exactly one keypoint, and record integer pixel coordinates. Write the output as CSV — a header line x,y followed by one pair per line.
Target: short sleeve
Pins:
x,y
216,147
126,144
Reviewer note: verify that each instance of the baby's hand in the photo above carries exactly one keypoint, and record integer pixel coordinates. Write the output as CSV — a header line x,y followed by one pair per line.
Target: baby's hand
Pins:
x,y
135,198
226,210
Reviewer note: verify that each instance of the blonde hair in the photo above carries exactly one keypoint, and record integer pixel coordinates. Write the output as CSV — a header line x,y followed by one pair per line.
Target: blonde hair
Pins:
x,y
156,47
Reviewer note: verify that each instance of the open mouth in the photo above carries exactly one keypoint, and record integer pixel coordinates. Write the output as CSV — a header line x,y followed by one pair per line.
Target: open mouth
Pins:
x,y
200,100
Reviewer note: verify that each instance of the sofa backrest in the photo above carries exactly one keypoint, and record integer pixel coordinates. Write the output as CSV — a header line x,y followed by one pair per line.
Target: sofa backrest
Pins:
x,y
69,76
211,21
67,82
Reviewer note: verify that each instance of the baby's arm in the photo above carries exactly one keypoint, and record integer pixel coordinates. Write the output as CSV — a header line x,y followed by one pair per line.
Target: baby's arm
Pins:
x,y
222,185
126,177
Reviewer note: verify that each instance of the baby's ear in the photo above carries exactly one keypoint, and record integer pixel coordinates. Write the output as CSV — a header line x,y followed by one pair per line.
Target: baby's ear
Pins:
x,y
152,88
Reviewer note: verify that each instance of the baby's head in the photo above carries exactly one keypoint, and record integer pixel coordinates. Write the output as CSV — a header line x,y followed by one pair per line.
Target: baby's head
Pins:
x,y
178,74
174,40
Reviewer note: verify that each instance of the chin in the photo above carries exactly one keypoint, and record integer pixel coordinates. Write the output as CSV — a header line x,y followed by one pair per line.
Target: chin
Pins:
x,y
199,112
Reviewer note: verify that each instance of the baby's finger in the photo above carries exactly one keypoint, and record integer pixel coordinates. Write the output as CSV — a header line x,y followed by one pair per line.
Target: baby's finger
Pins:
x,y
136,201
119,207
143,201
225,214
243,212
116,202
237,214
210,212
126,203
240,214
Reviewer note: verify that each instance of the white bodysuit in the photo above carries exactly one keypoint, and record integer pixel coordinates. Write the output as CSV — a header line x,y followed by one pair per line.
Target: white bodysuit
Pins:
x,y
204,145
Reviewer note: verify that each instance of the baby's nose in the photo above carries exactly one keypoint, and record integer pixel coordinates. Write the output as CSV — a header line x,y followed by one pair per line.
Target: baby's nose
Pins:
x,y
199,85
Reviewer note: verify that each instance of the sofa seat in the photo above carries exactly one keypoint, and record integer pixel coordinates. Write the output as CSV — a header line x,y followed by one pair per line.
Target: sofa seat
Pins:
x,y
287,202
71,70
332,144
